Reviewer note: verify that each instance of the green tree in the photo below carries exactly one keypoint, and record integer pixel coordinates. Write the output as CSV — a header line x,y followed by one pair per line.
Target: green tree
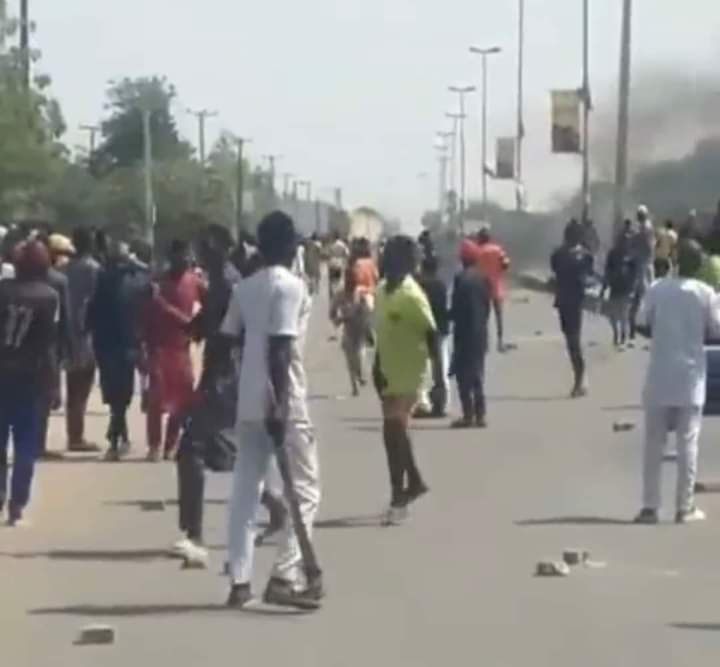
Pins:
x,y
123,141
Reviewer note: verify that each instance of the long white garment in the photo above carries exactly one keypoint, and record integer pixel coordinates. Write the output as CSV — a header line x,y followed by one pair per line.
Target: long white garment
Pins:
x,y
254,457
658,421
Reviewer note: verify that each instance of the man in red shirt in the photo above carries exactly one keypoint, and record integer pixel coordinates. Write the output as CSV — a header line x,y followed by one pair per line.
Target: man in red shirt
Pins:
x,y
494,264
166,337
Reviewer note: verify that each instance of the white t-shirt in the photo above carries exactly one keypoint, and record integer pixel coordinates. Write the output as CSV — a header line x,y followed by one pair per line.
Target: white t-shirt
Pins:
x,y
681,313
272,302
338,253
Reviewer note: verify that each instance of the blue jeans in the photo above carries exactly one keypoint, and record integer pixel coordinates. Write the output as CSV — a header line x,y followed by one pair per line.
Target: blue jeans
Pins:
x,y
19,415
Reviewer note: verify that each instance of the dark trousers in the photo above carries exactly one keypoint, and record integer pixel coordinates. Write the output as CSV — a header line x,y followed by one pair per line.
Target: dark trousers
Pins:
x,y
19,416
78,382
191,487
470,380
571,318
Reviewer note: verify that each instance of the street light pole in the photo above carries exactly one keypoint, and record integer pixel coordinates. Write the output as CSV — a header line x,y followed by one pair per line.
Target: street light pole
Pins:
x,y
92,131
621,166
148,169
520,98
25,42
272,162
240,188
484,53
587,108
453,149
462,91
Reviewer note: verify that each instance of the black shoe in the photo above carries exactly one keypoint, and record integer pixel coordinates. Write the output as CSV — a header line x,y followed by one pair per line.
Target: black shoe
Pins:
x,y
240,595
462,423
416,492
281,593
83,447
480,422
647,517
422,412
278,518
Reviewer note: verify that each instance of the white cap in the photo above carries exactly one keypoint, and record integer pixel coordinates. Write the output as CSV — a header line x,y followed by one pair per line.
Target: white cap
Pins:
x,y
642,210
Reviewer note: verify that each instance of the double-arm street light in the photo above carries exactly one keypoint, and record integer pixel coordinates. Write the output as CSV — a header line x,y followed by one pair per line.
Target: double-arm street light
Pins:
x,y
484,53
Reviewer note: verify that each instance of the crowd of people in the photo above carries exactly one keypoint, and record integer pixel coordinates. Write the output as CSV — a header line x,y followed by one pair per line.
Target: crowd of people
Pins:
x,y
662,284
89,306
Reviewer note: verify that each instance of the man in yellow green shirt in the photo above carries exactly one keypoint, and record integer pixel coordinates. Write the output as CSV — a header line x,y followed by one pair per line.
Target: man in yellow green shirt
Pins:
x,y
406,338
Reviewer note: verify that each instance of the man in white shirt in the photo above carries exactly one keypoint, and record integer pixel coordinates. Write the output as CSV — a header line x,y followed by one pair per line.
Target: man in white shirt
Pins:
x,y
273,309
678,313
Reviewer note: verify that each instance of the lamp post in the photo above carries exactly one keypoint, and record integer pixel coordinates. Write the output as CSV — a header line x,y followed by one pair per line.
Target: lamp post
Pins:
x,y
484,53
462,91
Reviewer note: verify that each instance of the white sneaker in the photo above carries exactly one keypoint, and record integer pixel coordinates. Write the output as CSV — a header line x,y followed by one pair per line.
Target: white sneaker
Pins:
x,y
181,548
690,516
395,516
196,558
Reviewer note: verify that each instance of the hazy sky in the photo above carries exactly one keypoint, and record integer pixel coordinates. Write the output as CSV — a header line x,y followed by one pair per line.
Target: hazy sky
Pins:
x,y
351,92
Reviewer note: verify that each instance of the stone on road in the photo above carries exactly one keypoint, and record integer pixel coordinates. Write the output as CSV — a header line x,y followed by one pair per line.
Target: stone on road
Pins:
x,y
451,585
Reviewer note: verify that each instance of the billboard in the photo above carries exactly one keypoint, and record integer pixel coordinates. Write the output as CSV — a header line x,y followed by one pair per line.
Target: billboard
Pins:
x,y
566,121
505,158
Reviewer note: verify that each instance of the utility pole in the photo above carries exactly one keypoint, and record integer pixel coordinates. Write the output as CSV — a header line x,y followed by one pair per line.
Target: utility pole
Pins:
x,y
92,130
442,176
272,162
202,117
25,42
287,177
149,196
3,25
453,149
587,108
240,188
520,99
484,53
621,165
462,91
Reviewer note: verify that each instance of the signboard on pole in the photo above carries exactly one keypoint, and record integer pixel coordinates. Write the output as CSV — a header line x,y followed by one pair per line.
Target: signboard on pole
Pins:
x,y
505,158
566,121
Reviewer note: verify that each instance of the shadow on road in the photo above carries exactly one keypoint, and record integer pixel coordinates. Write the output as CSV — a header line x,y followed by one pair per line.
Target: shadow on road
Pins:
x,y
107,555
527,399
129,610
575,521
370,521
696,626
143,504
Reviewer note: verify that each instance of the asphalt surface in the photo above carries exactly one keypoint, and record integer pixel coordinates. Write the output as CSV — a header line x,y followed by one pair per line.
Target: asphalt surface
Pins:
x,y
454,585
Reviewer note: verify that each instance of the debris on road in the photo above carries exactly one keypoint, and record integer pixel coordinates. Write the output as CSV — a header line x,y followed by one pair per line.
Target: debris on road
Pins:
x,y
95,635
538,333
622,427
573,557
595,564
550,568
511,347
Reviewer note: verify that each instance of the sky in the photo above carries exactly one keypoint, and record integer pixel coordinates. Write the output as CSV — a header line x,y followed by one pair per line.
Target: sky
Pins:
x,y
352,92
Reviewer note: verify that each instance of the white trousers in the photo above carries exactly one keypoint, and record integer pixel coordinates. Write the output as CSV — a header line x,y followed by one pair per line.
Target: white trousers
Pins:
x,y
427,384
659,421
254,459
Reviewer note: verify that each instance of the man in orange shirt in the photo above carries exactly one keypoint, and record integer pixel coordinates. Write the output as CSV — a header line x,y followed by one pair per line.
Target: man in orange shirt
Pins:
x,y
494,263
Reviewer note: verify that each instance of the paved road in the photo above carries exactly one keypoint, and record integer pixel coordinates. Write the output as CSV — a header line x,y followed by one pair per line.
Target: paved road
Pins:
x,y
453,586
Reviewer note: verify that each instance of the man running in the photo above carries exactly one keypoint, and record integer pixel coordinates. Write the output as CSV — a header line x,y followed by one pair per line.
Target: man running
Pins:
x,y
572,266
29,310
272,308
665,248
494,263
82,274
643,248
678,314
470,312
165,325
406,337
620,279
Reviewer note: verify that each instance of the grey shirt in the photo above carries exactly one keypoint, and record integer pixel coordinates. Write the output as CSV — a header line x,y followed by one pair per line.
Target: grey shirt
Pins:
x,y
82,274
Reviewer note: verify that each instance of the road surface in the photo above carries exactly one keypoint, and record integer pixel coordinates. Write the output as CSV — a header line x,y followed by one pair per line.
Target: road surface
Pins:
x,y
454,585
